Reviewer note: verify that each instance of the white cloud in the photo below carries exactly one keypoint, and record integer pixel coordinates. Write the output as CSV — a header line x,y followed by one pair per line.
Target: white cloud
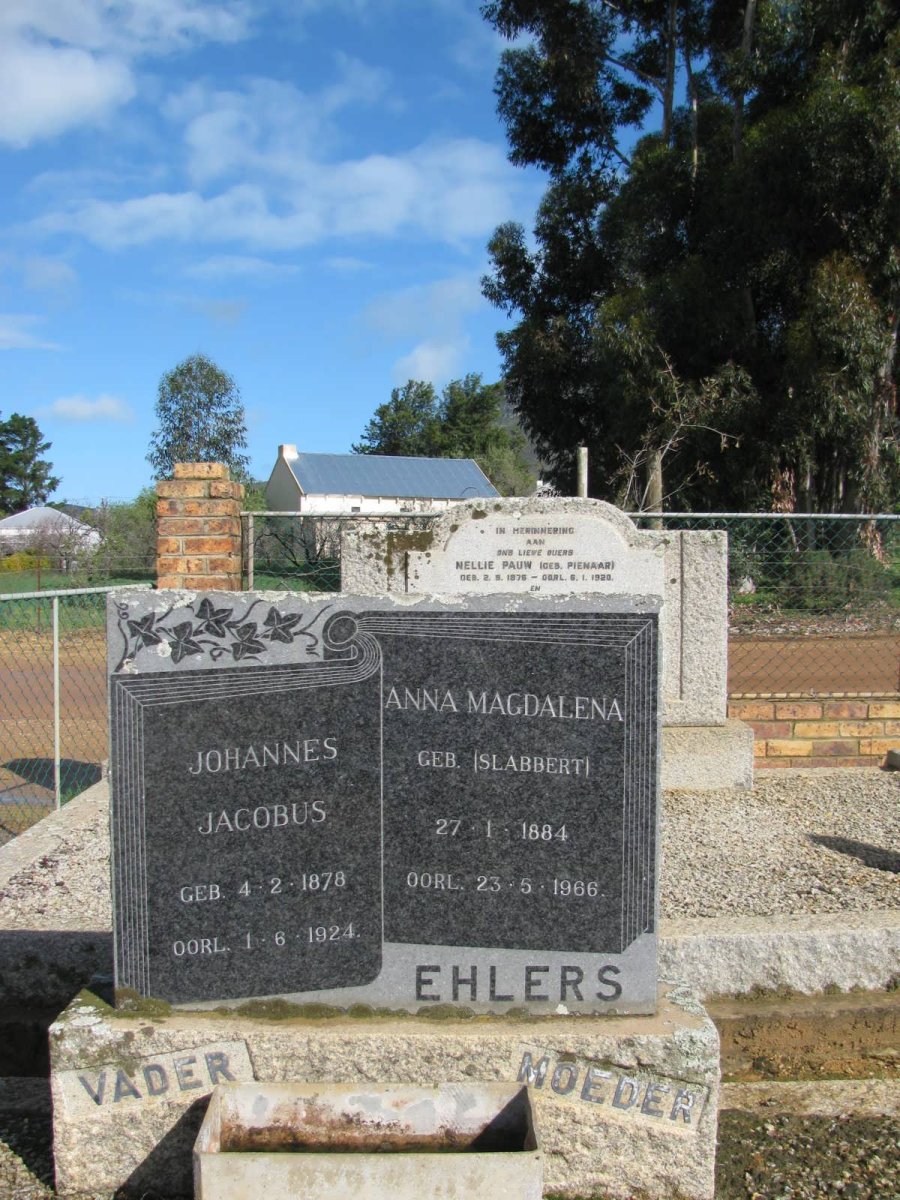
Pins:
x,y
128,26
68,63
48,89
270,128
434,360
82,408
41,274
453,191
15,333
416,311
239,266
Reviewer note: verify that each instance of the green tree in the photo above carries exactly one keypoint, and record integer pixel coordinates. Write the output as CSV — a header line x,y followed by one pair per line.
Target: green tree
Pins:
x,y
200,418
407,424
468,421
720,302
472,425
25,476
128,539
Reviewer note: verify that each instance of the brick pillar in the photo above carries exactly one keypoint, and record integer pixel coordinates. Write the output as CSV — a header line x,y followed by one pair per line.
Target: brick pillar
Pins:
x,y
198,529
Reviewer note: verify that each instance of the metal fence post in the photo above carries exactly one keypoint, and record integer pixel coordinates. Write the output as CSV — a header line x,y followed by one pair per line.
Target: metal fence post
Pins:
x,y
250,552
56,756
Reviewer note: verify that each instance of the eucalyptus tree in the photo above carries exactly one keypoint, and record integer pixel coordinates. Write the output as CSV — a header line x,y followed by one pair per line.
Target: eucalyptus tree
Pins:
x,y
711,287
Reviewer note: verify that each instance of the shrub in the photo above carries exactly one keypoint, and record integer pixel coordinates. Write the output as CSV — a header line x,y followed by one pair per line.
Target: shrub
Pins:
x,y
24,560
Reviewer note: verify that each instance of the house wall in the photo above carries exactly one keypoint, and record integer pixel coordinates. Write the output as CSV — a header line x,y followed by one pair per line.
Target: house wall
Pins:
x,y
284,495
282,491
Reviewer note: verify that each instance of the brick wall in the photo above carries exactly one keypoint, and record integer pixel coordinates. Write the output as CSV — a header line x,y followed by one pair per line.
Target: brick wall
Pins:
x,y
199,528
821,732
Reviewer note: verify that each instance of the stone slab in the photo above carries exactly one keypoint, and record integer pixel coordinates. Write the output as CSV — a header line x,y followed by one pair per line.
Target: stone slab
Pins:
x,y
625,1105
55,909
544,547
816,1098
695,626
400,802
706,757
693,582
807,954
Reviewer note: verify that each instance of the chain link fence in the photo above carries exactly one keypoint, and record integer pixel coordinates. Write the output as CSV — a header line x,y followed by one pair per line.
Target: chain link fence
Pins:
x,y
814,609
53,716
814,601
287,551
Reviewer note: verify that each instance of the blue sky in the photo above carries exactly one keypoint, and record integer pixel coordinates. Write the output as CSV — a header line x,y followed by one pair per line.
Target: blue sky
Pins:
x,y
300,189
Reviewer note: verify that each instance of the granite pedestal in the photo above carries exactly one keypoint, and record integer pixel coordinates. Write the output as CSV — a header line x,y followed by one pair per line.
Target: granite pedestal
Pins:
x,y
626,1106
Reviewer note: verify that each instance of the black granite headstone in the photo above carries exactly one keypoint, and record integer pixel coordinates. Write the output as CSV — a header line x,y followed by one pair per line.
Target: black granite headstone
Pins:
x,y
389,804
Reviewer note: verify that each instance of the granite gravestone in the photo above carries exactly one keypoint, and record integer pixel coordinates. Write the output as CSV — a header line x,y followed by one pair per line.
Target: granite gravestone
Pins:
x,y
397,803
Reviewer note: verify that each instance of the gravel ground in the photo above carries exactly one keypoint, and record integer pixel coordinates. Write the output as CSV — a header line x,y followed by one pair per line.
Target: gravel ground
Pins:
x,y
783,1157
770,621
800,842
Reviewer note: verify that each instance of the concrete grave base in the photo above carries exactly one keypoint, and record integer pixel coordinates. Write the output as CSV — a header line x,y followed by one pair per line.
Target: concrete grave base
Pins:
x,y
705,757
627,1106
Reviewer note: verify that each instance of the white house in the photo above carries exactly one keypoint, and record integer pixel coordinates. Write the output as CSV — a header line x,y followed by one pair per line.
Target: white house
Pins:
x,y
371,483
49,532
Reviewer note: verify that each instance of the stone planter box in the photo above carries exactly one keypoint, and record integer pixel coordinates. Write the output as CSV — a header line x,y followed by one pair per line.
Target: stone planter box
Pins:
x,y
397,1142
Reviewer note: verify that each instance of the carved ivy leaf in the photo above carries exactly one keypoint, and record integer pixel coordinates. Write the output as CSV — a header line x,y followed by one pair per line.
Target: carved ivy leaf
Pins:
x,y
182,642
144,632
280,626
248,642
213,620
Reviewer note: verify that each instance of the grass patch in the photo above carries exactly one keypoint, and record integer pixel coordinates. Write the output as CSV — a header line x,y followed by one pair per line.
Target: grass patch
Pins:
x,y
324,576
76,611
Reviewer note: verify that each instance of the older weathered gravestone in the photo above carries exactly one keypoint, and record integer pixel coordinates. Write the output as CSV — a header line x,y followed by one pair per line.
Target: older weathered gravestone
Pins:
x,y
563,546
355,801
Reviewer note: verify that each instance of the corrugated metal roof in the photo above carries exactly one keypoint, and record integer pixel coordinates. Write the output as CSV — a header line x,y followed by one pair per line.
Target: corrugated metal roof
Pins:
x,y
41,518
390,475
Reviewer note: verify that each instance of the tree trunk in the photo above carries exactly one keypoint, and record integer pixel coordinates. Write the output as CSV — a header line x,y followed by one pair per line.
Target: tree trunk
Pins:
x,y
692,100
746,47
654,492
671,62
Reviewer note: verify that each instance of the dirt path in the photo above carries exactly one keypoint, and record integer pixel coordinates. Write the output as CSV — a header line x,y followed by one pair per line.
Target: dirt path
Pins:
x,y
811,665
846,1036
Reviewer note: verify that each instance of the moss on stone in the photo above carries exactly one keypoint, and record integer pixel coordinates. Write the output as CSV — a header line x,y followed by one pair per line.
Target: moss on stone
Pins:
x,y
400,543
130,1004
283,1010
445,1012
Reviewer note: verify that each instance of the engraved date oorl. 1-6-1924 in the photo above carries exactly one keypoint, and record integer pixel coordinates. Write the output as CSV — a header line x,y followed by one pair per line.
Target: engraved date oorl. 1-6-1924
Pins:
x,y
315,935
